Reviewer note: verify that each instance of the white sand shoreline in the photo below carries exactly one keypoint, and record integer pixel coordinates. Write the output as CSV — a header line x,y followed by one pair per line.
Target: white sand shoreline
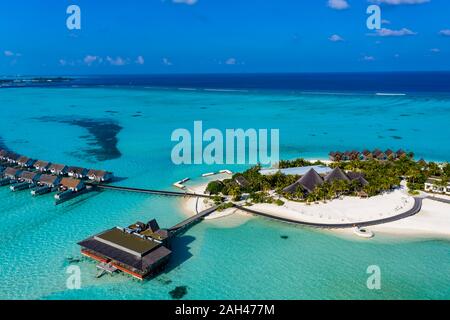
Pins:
x,y
432,222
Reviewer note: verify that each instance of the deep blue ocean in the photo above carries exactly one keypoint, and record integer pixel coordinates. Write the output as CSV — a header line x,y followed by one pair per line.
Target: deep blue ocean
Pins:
x,y
124,123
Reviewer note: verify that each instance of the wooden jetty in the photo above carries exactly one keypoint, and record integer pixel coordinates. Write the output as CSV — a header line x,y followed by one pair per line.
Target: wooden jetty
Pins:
x,y
183,225
150,191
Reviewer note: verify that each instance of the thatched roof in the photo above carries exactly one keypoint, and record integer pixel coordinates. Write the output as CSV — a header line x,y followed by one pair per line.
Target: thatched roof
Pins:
x,y
357,176
336,174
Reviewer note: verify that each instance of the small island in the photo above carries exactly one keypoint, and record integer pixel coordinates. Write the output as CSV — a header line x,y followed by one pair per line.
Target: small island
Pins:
x,y
382,189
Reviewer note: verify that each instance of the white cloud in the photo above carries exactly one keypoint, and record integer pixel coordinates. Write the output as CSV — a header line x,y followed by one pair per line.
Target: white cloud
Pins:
x,y
231,61
9,53
338,4
385,21
167,62
62,62
140,60
396,55
188,2
368,58
399,2
119,61
445,32
384,32
89,59
435,50
335,38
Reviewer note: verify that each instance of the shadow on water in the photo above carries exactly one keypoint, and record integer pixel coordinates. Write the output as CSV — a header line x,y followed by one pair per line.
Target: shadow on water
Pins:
x,y
180,252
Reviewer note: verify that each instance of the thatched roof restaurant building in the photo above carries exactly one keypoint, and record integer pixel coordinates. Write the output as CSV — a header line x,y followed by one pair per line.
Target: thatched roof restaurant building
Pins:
x,y
139,250
312,179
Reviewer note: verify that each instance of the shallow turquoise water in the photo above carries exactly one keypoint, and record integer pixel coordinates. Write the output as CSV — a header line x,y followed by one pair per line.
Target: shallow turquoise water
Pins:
x,y
249,261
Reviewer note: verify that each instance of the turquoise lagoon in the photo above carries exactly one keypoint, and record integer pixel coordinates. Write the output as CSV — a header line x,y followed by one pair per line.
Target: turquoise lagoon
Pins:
x,y
215,261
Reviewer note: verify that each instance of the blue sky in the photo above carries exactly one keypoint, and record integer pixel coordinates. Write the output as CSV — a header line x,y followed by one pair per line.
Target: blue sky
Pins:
x,y
215,36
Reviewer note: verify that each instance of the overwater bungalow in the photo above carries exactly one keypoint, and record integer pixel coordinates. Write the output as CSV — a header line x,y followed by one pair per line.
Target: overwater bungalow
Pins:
x,y
42,166
335,156
74,185
12,173
58,169
68,189
99,175
46,184
77,172
3,154
379,155
12,158
401,154
139,250
25,181
25,162
390,154
366,155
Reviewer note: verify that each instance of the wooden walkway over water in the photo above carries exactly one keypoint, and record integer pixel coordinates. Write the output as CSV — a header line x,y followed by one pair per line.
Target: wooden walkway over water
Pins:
x,y
151,191
191,220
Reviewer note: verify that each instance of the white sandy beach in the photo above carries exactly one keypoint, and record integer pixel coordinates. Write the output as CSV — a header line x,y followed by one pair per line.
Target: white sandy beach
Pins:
x,y
432,221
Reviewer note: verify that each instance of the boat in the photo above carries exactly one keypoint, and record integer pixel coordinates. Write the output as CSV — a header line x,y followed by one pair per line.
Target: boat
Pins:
x,y
363,233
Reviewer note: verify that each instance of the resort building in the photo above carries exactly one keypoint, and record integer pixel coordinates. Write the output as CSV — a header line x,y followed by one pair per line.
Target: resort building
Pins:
x,y
42,166
367,155
139,250
25,162
12,173
312,179
49,180
99,175
436,185
29,177
77,172
72,184
241,181
3,154
12,157
400,153
58,169
308,183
